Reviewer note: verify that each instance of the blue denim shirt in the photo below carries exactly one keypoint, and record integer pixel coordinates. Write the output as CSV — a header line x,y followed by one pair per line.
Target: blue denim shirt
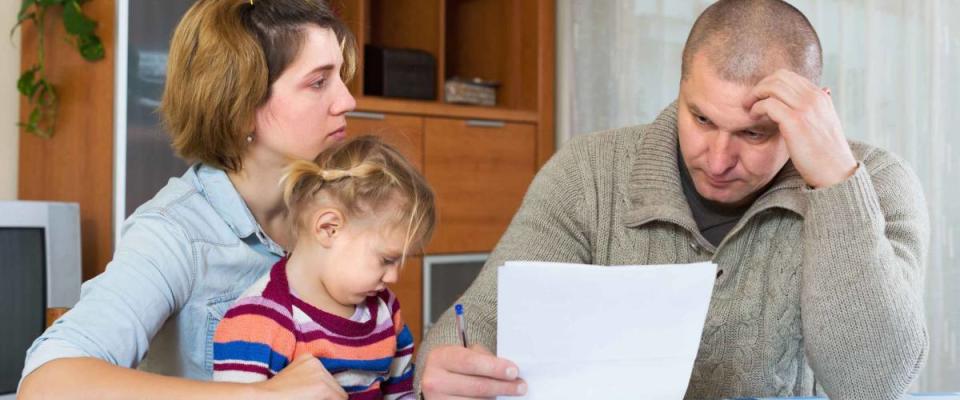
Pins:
x,y
183,257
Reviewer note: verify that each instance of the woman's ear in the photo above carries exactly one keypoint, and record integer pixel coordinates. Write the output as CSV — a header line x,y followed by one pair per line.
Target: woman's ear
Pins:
x,y
327,226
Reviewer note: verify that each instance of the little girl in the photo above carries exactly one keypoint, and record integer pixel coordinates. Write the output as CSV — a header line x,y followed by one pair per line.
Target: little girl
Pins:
x,y
359,209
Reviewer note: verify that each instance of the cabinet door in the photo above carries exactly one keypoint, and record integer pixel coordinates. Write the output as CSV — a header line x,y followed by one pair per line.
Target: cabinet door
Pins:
x,y
409,290
480,171
404,132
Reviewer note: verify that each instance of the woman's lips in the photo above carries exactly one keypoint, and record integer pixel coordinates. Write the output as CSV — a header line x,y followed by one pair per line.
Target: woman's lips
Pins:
x,y
339,133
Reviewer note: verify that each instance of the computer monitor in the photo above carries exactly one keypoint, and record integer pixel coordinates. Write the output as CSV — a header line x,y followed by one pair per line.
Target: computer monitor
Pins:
x,y
40,266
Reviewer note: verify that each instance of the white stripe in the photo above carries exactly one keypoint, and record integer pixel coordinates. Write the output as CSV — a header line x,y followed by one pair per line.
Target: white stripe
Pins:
x,y
244,362
356,378
400,365
238,376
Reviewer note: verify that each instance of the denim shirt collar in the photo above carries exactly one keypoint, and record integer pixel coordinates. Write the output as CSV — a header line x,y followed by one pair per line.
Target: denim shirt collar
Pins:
x,y
216,187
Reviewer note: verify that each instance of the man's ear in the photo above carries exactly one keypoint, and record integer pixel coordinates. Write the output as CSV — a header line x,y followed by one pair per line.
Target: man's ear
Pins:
x,y
327,225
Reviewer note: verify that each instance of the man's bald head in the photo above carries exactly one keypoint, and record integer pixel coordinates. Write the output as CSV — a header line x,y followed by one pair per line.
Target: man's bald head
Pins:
x,y
746,40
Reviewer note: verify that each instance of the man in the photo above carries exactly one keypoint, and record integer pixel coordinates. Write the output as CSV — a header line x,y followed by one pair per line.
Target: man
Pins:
x,y
820,242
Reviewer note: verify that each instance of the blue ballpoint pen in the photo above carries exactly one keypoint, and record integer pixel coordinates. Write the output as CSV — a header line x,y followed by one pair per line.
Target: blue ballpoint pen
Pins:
x,y
461,324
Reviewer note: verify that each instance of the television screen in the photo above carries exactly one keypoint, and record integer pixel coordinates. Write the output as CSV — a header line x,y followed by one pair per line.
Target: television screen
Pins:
x,y
22,293
446,278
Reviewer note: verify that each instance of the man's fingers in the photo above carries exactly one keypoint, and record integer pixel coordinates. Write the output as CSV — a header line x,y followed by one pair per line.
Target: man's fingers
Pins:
x,y
469,386
774,109
775,89
478,363
787,86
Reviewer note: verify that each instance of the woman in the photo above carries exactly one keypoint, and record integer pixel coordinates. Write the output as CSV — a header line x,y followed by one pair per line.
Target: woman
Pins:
x,y
250,86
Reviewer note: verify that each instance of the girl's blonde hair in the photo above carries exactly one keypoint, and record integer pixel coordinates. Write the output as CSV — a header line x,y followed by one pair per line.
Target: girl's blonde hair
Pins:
x,y
359,175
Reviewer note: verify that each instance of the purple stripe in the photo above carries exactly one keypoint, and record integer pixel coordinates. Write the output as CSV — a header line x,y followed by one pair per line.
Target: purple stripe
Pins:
x,y
222,367
277,288
400,387
372,394
339,324
390,299
263,302
405,352
313,328
354,342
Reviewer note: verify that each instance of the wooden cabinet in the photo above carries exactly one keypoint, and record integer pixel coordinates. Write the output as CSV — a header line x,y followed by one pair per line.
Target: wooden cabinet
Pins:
x,y
409,291
480,171
402,131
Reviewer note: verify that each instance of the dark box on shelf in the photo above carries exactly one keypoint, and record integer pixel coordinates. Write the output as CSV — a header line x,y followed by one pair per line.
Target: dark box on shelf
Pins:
x,y
405,73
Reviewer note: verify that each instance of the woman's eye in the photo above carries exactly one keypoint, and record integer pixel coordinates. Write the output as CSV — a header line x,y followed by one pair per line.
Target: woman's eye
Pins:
x,y
318,84
389,261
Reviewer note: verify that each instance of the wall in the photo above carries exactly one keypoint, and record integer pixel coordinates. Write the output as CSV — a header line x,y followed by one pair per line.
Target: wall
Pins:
x,y
9,101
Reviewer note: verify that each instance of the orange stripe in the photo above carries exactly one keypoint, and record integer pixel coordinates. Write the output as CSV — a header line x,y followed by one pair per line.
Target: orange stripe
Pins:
x,y
397,322
257,329
382,349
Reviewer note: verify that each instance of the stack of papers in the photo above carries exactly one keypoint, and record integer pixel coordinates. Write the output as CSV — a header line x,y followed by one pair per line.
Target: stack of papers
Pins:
x,y
913,396
601,332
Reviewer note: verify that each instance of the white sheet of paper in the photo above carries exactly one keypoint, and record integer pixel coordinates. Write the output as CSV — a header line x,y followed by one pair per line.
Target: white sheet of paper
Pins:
x,y
599,332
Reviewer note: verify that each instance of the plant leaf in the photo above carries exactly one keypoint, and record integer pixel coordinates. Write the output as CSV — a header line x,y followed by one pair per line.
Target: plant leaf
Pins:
x,y
26,85
90,47
34,117
24,6
75,22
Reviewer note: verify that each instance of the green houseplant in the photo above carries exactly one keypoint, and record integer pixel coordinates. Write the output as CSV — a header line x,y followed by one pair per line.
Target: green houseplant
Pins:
x,y
33,83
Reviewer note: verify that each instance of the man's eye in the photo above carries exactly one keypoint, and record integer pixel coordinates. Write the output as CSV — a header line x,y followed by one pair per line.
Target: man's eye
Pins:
x,y
702,120
754,135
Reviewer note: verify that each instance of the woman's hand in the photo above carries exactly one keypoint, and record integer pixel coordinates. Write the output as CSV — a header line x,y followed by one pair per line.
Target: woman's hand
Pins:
x,y
304,378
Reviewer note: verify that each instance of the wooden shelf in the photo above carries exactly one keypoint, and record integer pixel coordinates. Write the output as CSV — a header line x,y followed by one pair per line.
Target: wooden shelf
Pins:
x,y
438,109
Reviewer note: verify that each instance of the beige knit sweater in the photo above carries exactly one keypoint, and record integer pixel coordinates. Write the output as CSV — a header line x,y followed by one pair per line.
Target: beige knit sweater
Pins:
x,y
823,284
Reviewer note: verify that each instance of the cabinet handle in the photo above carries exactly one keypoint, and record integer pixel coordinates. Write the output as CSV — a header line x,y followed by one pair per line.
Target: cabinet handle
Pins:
x,y
366,115
484,123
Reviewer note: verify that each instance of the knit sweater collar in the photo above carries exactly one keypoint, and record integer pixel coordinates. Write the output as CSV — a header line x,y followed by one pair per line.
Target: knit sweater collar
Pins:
x,y
656,194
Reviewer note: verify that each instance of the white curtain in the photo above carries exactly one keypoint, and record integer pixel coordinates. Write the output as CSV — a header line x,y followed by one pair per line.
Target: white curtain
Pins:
x,y
893,67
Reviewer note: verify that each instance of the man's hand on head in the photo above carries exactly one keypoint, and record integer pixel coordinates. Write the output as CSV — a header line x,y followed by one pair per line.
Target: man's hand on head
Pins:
x,y
809,125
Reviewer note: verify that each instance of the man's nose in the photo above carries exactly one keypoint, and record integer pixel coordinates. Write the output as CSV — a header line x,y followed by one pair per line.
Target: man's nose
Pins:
x,y
721,155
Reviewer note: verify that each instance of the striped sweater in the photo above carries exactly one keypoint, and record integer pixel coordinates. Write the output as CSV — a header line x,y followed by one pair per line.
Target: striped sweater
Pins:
x,y
370,354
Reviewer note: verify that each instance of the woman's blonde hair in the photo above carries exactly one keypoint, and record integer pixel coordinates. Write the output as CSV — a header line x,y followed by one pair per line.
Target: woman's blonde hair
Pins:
x,y
362,175
224,56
